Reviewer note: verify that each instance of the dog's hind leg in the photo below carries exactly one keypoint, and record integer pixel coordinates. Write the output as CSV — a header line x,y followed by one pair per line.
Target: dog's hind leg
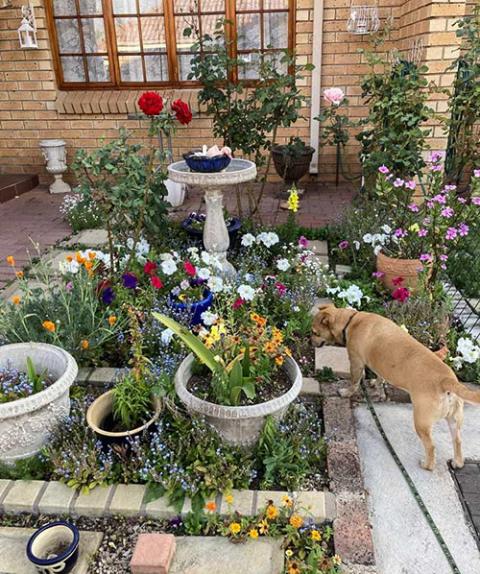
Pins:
x,y
357,368
455,425
423,427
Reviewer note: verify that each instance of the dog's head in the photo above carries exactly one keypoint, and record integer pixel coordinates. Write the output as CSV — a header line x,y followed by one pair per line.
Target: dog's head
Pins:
x,y
323,326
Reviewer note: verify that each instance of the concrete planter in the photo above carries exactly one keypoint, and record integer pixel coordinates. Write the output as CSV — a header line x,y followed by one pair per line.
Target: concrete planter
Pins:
x,y
239,426
25,424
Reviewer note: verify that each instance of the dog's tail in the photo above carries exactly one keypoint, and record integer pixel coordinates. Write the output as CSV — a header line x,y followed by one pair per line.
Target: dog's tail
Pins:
x,y
462,391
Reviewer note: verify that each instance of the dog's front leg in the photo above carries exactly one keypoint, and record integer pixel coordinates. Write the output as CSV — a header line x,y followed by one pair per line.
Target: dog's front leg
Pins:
x,y
357,368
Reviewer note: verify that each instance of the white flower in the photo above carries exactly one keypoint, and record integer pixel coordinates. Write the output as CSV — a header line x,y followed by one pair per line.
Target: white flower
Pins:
x,y
387,229
165,256
356,244
215,284
248,240
166,336
353,295
470,353
184,285
333,290
169,267
268,238
367,238
193,254
296,308
104,258
246,292
203,273
209,318
249,277
69,266
206,257
377,249
457,363
283,264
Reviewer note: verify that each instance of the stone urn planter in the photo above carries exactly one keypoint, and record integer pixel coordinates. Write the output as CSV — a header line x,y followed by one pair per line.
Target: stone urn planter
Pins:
x,y
26,424
392,267
99,413
238,426
54,547
56,158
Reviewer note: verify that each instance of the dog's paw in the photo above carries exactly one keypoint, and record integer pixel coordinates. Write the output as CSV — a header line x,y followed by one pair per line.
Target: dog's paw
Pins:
x,y
346,393
457,464
427,466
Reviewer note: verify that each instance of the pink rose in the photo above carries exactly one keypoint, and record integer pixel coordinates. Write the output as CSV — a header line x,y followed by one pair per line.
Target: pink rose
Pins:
x,y
334,96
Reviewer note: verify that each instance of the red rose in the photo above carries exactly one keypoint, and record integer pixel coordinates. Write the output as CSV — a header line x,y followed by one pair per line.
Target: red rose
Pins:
x,y
150,267
189,269
182,111
156,282
150,103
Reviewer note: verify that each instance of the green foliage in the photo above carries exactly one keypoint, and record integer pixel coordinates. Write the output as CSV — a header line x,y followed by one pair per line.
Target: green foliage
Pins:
x,y
325,375
464,265
463,151
32,468
36,379
81,211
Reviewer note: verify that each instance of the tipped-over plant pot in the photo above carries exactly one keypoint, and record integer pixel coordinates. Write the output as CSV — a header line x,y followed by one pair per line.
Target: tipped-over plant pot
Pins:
x,y
238,426
54,547
100,418
392,268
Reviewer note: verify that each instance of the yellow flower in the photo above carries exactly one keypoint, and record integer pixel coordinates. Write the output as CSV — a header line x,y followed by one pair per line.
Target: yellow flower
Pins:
x,y
211,506
293,200
279,360
296,521
254,317
182,296
112,320
336,560
19,274
271,512
91,255
209,341
49,326
263,526
287,501
11,260
270,347
84,344
315,535
253,533
235,528
229,499
288,352
288,553
16,299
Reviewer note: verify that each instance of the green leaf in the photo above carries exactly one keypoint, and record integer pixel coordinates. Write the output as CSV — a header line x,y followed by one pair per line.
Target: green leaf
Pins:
x,y
154,491
249,390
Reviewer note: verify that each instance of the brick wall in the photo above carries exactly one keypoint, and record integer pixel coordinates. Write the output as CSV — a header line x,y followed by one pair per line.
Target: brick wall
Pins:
x,y
31,108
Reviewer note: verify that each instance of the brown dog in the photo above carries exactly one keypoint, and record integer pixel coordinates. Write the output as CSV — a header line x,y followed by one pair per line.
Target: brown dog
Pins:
x,y
377,343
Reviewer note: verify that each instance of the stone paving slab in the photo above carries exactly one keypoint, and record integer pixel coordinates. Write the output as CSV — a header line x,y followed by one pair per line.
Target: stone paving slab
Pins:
x,y
310,386
89,238
23,496
13,559
93,503
127,499
313,502
56,499
335,358
243,502
4,486
404,543
214,555
468,483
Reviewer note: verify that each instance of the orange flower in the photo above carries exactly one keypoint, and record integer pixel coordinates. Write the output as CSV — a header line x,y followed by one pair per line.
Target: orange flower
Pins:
x,y
294,569
88,265
11,260
92,255
296,521
49,326
279,360
19,274
16,299
271,512
84,344
211,506
80,259
270,347
287,501
112,320
69,258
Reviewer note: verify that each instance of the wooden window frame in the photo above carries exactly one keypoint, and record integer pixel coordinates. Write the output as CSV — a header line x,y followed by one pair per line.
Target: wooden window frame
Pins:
x,y
171,45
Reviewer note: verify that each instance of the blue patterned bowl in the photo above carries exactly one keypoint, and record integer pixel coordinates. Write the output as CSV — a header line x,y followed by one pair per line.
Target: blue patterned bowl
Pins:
x,y
204,164
54,547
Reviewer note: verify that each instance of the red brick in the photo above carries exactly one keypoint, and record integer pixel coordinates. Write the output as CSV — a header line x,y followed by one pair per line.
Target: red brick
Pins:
x,y
153,554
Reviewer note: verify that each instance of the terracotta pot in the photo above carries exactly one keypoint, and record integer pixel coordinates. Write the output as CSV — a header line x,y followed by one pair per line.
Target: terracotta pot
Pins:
x,y
392,267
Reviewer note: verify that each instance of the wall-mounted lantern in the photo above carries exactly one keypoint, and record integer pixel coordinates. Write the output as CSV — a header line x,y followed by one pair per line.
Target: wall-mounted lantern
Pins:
x,y
27,32
363,20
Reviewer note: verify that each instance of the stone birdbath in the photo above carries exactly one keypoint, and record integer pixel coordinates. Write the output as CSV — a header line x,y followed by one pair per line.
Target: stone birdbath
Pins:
x,y
215,234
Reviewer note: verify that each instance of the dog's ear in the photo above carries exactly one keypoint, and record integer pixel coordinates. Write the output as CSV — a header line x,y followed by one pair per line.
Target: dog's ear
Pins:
x,y
324,315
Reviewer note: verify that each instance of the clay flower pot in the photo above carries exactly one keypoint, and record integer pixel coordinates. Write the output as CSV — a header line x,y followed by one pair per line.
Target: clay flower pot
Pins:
x,y
392,267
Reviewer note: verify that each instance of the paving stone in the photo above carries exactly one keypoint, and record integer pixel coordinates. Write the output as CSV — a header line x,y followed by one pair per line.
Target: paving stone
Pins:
x,y
4,486
23,496
358,569
160,509
13,559
93,503
56,499
310,386
83,374
344,468
103,375
352,530
214,555
320,247
89,237
56,257
127,499
342,270
153,553
310,502
243,502
322,259
336,358
338,419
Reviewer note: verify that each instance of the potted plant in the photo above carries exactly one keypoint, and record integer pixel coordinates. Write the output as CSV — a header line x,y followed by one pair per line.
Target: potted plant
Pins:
x,y
131,407
54,547
244,375
292,160
35,379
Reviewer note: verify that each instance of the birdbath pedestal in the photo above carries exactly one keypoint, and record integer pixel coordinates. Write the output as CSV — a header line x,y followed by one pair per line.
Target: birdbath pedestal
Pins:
x,y
215,233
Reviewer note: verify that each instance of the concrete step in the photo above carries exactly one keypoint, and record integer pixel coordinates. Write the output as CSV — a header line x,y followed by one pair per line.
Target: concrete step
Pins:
x,y
13,185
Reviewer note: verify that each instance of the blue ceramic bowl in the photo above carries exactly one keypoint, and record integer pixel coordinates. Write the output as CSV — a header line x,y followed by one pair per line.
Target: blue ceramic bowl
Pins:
x,y
204,164
195,309
54,547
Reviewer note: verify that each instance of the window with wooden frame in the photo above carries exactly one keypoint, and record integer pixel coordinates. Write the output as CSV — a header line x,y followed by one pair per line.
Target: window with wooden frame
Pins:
x,y
140,43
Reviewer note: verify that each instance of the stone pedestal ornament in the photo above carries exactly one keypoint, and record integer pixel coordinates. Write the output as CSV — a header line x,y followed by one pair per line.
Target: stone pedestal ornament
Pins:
x,y
26,424
55,155
215,234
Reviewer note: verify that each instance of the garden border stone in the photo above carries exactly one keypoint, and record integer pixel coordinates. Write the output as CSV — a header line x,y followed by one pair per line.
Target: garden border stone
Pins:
x,y
24,496
57,498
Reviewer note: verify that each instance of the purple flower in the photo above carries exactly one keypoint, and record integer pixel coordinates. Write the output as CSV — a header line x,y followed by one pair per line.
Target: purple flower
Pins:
x,y
303,241
108,296
440,198
476,173
69,286
430,204
398,182
476,200
447,212
425,257
400,232
129,280
378,274
436,156
411,184
463,229
344,244
449,187
436,167
422,232
461,200
443,257
413,207
451,233
383,169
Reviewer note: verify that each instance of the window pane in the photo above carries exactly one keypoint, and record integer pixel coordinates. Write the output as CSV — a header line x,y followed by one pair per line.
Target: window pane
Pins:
x,y
209,24
184,43
156,68
98,69
275,30
275,4
276,58
153,34
91,7
248,31
94,35
124,6
184,6
64,7
248,69
128,38
151,6
184,66
73,70
212,6
131,68
248,5
68,36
